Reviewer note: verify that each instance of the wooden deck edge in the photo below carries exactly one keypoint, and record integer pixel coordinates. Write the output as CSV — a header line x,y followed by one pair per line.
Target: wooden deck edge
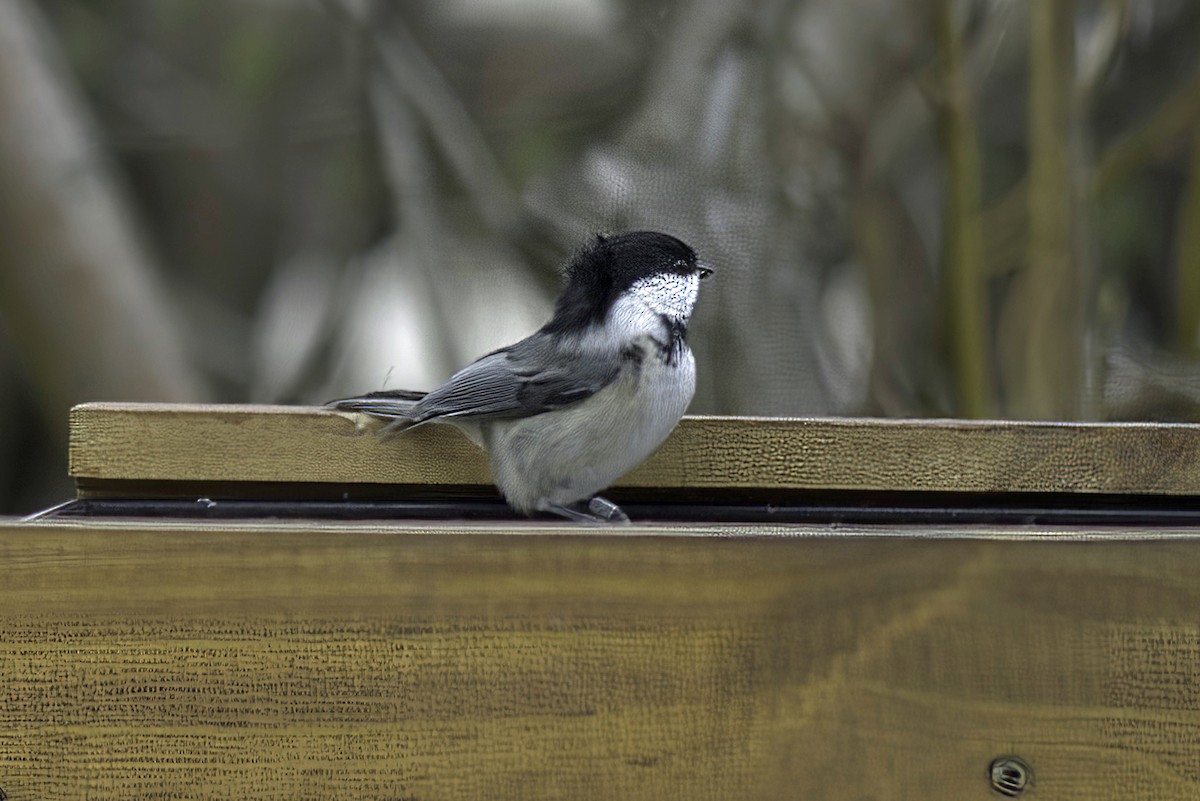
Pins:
x,y
1186,536
232,662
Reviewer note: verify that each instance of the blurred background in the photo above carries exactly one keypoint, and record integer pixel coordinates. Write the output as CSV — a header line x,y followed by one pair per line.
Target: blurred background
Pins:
x,y
919,208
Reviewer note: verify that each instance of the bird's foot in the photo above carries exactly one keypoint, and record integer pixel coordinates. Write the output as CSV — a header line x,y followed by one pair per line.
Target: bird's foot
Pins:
x,y
600,511
607,511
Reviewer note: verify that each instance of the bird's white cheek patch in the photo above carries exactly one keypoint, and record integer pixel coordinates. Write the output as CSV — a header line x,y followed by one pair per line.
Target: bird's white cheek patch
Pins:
x,y
640,310
668,293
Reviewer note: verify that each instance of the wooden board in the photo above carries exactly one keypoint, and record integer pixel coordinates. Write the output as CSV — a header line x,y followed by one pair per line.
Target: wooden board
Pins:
x,y
156,442
311,661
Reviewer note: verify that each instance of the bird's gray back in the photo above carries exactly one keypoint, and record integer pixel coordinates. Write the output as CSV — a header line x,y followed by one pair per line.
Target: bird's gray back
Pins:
x,y
537,374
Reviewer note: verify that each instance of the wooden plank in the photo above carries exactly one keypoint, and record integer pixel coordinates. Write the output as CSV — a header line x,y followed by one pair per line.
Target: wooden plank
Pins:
x,y
316,661
156,442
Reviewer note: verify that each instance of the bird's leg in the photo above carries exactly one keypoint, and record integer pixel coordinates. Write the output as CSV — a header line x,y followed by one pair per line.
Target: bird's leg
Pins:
x,y
599,511
568,512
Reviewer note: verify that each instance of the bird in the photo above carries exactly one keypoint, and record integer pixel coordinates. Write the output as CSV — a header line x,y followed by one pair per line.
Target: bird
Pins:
x,y
574,406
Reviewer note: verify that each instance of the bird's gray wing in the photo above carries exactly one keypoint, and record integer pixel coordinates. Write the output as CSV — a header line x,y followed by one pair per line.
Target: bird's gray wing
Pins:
x,y
536,375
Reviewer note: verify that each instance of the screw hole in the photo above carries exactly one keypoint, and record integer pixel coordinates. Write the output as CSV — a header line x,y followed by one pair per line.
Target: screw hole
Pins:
x,y
1009,776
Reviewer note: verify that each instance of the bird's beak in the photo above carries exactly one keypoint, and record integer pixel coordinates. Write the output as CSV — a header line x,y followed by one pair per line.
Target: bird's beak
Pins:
x,y
705,272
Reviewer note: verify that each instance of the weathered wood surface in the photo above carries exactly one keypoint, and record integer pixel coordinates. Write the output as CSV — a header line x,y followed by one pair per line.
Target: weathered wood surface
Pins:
x,y
279,661
298,444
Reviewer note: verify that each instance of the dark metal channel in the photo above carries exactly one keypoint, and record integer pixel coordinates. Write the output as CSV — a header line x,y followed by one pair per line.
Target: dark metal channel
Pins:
x,y
916,508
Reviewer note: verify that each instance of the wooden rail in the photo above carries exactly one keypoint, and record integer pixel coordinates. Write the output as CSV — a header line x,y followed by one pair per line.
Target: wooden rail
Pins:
x,y
297,444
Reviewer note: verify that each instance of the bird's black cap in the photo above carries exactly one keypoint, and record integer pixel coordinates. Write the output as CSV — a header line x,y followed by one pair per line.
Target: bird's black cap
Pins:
x,y
609,265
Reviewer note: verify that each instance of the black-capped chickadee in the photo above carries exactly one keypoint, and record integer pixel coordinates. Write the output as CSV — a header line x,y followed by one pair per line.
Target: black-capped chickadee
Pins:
x,y
568,410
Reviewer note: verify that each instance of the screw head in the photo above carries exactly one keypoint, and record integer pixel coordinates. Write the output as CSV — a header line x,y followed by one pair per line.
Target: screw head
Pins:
x,y
1010,776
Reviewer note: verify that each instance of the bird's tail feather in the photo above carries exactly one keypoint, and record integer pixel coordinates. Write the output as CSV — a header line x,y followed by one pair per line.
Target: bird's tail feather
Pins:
x,y
393,405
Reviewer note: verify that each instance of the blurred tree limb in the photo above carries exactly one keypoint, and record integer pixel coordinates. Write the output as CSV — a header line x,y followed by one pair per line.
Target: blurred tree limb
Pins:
x,y
963,263
1170,128
414,76
77,288
404,68
407,164
411,74
1042,327
1098,51
680,75
1187,260
1164,132
904,382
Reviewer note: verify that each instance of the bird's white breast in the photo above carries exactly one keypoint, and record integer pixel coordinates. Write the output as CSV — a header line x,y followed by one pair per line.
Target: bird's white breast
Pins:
x,y
572,453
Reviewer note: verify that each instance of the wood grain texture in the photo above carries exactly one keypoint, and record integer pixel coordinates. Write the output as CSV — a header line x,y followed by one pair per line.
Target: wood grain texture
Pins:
x,y
297,444
442,662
